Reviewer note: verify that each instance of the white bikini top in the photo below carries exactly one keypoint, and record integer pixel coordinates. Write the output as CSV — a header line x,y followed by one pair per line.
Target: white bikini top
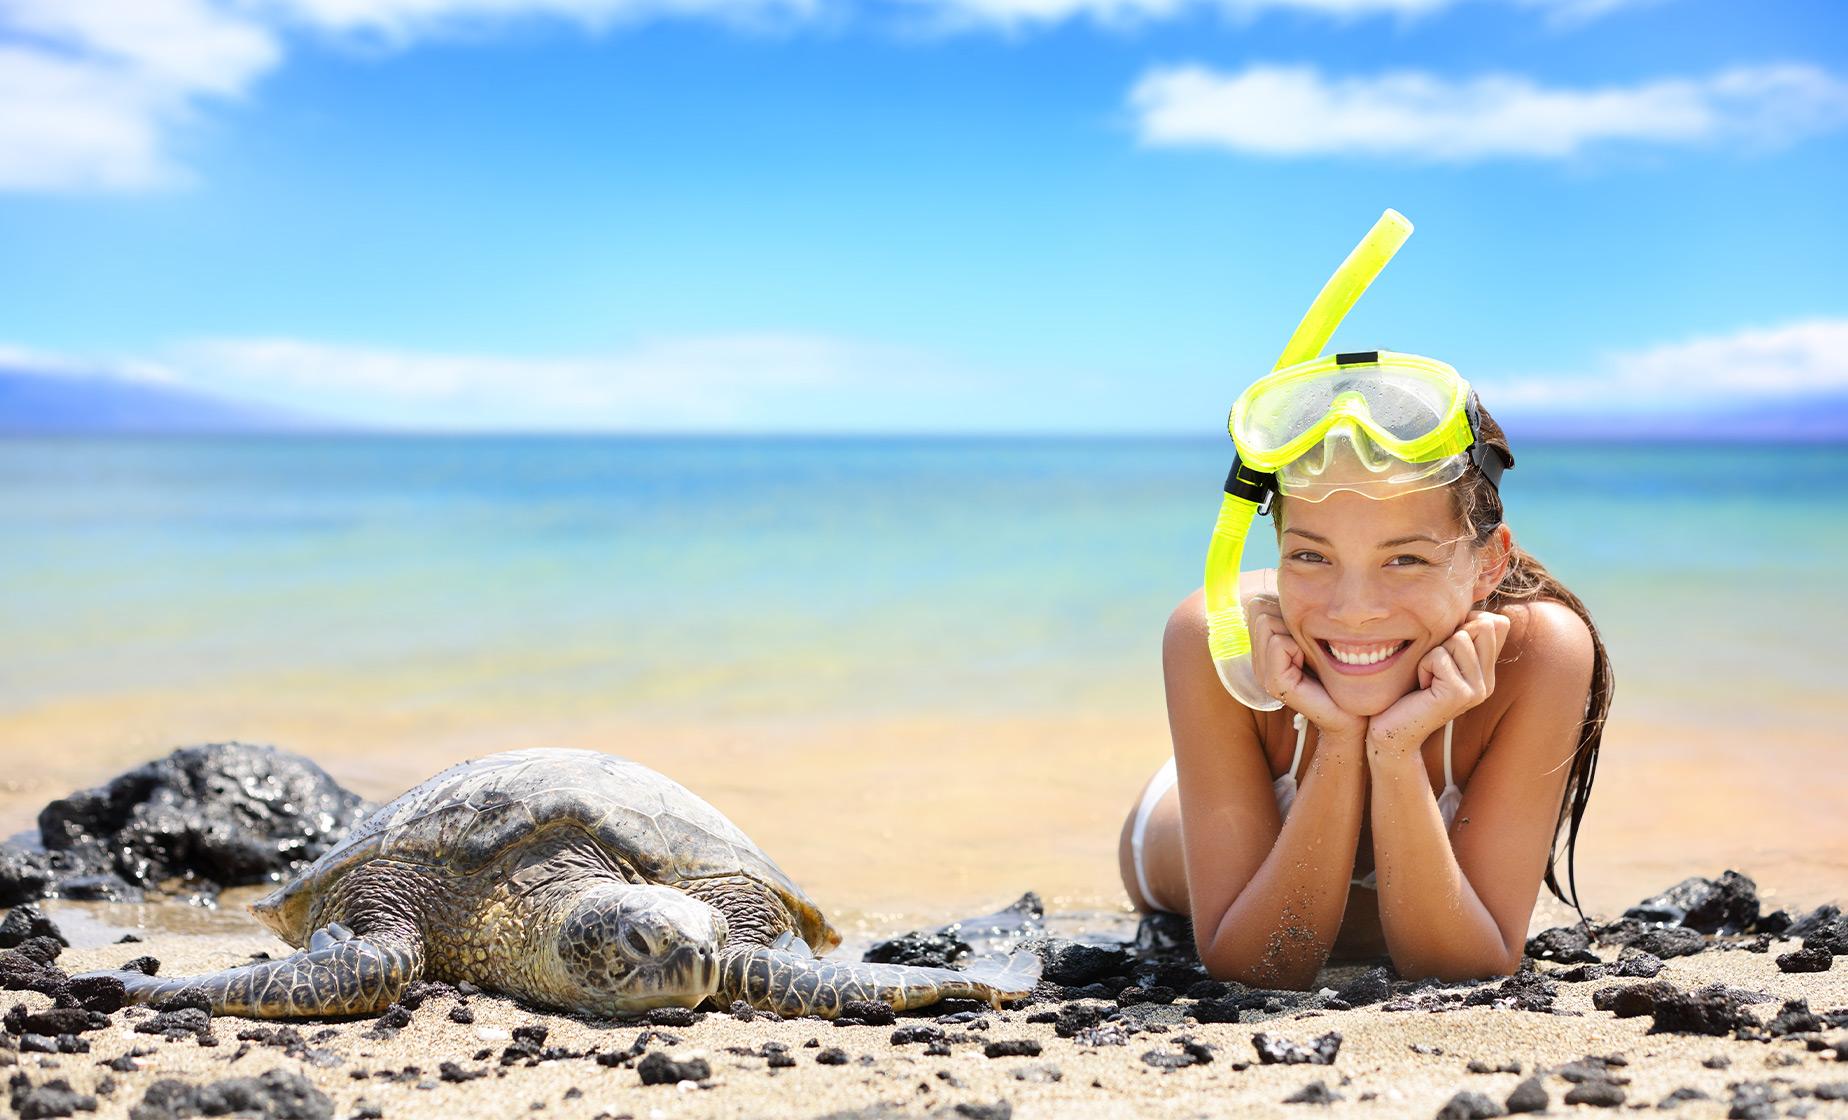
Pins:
x,y
1285,787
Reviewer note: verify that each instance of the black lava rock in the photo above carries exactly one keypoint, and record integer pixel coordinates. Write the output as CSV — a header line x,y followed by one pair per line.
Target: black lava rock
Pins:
x,y
866,1012
28,921
65,1020
1830,937
1565,944
24,875
1728,904
1631,1000
672,1017
53,1098
176,1023
1074,964
1815,919
1529,1096
1670,941
1795,1017
217,815
1710,1010
1636,962
104,994
657,1068
1317,1092
1370,987
1526,990
1752,1100
1676,1097
832,1056
920,950
1600,1094
1191,1052
1477,1065
1012,1048
1469,1106
275,1095
451,1072
1273,1050
1805,960
1216,1010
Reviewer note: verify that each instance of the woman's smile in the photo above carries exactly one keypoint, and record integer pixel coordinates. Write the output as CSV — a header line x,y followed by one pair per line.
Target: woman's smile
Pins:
x,y
1362,658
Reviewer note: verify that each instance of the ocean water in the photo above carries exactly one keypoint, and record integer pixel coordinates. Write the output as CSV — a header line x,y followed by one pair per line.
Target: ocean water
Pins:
x,y
924,674
693,577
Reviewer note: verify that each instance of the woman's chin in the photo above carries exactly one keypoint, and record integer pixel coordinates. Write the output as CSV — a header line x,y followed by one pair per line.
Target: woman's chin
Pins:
x,y
1364,698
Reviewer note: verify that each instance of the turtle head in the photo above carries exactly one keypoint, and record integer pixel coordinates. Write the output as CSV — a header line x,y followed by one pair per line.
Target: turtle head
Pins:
x,y
628,948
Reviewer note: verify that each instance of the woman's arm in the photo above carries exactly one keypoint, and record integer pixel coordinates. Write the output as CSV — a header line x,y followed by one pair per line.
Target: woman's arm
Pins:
x,y
1267,899
1457,906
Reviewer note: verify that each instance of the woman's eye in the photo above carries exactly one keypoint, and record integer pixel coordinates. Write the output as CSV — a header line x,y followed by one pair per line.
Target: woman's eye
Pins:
x,y
1306,556
1407,560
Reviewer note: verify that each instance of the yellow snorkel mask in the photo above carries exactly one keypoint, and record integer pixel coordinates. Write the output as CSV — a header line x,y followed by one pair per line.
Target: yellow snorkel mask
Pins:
x,y
1377,423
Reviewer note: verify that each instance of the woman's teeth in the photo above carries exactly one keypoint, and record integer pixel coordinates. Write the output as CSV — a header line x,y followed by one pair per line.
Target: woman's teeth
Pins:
x,y
1363,654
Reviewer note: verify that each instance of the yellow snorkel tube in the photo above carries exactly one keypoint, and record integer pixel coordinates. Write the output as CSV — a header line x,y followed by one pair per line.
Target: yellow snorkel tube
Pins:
x,y
1248,491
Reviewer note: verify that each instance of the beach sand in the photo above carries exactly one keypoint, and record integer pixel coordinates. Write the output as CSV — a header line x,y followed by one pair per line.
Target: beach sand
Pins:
x,y
892,822
1390,1063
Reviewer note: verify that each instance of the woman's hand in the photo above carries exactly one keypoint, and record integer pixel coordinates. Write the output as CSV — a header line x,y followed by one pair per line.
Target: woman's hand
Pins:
x,y
1452,678
1278,661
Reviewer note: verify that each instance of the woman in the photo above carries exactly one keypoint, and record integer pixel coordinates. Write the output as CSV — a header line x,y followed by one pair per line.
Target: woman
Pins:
x,y
1443,701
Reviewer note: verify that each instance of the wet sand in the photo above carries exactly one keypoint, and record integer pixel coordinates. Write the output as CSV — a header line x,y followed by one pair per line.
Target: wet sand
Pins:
x,y
1403,1063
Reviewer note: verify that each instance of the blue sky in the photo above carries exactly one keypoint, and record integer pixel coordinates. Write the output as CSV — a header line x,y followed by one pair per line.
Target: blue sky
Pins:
x,y
1084,215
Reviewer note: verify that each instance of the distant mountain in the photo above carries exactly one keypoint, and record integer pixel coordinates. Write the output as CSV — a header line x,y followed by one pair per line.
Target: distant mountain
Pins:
x,y
35,403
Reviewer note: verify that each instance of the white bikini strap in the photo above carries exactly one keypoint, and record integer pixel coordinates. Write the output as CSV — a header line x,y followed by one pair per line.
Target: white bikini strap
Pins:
x,y
1302,733
1448,780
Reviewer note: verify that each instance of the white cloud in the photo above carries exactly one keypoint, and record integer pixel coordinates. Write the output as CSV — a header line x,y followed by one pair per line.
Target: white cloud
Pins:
x,y
1806,359
402,21
47,364
745,381
1017,14
1296,111
90,89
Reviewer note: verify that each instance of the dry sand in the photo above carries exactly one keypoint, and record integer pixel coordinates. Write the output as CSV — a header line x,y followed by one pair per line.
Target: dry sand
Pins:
x,y
1377,1072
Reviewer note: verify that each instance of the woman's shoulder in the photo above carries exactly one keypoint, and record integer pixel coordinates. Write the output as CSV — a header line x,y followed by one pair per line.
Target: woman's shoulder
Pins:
x,y
1548,646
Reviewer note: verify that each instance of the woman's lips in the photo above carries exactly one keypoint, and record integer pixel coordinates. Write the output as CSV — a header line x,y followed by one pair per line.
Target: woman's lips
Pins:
x,y
1345,669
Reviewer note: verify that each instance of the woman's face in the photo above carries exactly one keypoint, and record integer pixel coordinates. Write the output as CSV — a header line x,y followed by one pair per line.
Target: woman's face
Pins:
x,y
1368,586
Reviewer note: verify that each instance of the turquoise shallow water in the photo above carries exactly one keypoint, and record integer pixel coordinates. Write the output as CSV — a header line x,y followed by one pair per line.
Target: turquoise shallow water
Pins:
x,y
696,577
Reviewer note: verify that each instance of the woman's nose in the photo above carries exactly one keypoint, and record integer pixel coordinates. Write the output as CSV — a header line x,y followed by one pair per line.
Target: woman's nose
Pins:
x,y
1356,602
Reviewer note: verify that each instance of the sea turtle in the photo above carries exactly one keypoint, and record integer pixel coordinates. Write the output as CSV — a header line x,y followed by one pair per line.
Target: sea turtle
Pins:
x,y
572,879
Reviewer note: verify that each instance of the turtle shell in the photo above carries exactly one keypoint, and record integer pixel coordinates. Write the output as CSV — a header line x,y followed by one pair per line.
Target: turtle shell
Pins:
x,y
471,813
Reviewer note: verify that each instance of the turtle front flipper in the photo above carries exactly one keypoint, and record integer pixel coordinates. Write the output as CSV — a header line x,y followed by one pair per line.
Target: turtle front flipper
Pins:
x,y
335,975
792,984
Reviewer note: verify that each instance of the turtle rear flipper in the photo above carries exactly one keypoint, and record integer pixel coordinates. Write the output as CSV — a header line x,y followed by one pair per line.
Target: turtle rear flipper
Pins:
x,y
792,984
334,976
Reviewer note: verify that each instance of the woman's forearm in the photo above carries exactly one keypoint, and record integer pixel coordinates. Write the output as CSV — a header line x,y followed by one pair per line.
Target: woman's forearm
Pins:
x,y
1279,930
1432,920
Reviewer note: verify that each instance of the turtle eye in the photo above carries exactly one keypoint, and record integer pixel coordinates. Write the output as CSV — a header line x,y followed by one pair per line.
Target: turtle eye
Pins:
x,y
637,943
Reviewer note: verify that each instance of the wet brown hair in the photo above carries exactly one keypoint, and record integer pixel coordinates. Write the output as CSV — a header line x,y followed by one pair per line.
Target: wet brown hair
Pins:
x,y
1479,508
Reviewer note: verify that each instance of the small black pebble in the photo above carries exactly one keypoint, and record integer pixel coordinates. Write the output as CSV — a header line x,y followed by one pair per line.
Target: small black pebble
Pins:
x,y
1805,960
1529,1096
1012,1048
1602,1094
1469,1106
1313,1093
832,1056
460,1013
